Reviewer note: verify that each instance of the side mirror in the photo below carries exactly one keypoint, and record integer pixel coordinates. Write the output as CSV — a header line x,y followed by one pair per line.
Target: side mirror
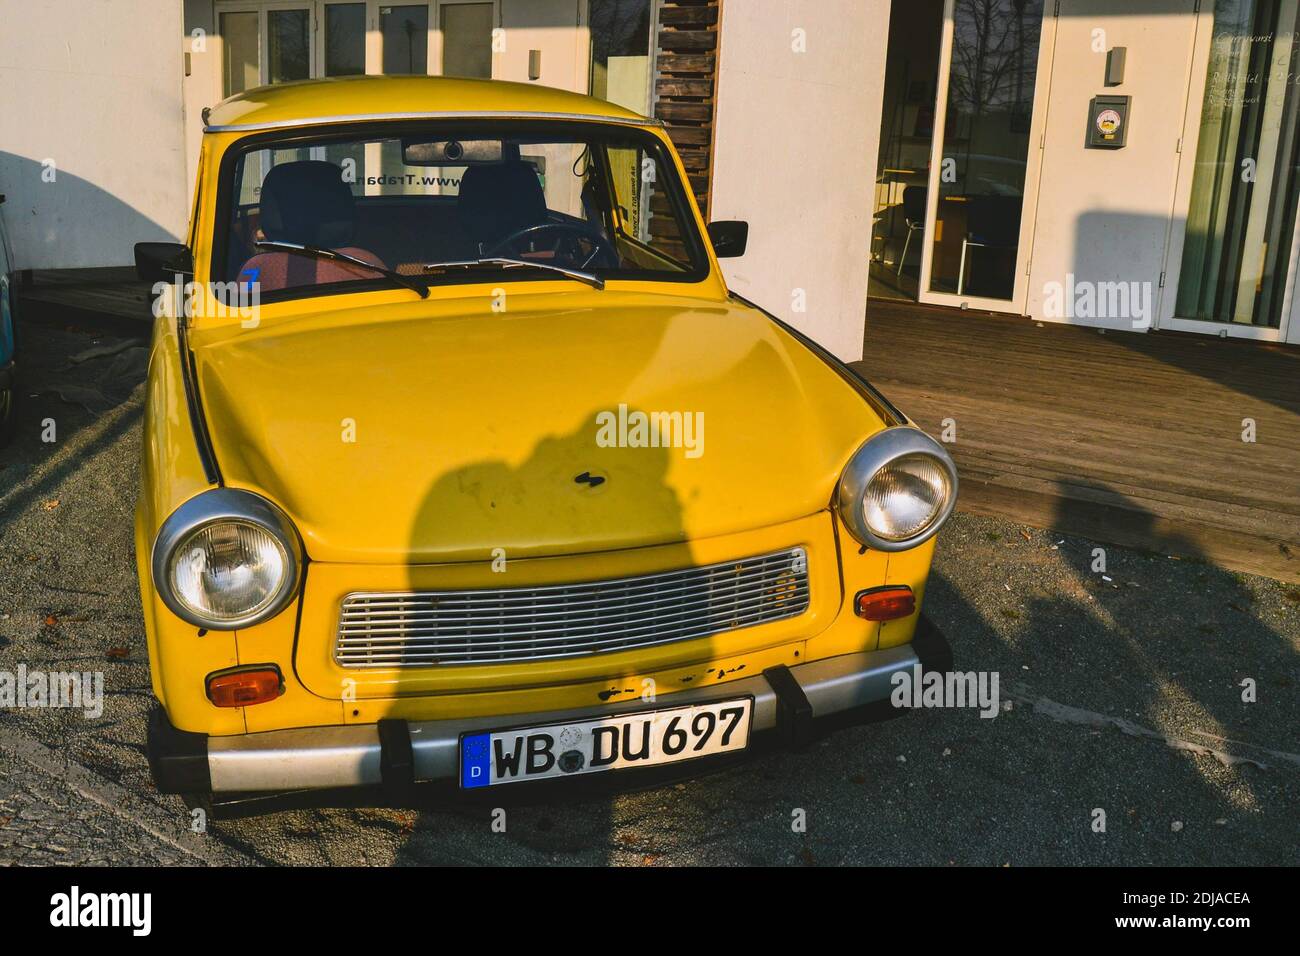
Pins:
x,y
161,261
729,237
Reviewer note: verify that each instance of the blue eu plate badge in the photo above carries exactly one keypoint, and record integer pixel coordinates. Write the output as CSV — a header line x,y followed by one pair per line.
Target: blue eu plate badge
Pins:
x,y
474,761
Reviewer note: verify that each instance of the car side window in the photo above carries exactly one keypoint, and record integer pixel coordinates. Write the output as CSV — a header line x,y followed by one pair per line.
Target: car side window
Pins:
x,y
646,226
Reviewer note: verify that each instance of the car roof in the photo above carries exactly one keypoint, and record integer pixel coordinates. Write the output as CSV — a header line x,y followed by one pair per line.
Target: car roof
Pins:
x,y
357,98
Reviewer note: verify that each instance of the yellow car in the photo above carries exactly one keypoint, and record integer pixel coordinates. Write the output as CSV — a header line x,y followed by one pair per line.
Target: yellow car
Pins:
x,y
461,463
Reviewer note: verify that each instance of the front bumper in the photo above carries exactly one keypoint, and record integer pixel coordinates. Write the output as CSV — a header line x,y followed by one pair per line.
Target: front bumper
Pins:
x,y
398,753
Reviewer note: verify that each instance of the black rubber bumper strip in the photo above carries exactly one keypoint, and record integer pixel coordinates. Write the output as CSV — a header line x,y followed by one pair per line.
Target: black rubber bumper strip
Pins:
x,y
178,759
932,647
396,758
794,714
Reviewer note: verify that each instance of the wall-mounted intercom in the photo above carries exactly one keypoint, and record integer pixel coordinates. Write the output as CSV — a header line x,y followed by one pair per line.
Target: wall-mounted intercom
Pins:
x,y
1108,122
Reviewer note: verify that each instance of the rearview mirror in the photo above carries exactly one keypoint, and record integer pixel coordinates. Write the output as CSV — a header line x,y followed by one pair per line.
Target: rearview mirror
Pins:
x,y
161,261
729,237
452,152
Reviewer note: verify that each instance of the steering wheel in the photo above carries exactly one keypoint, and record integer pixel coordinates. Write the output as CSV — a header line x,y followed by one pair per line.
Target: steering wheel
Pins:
x,y
568,242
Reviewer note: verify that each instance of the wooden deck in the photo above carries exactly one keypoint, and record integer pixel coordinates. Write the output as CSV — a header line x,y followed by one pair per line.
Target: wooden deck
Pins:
x,y
1128,438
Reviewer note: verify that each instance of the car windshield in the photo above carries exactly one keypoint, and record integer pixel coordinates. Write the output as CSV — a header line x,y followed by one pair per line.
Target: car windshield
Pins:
x,y
439,203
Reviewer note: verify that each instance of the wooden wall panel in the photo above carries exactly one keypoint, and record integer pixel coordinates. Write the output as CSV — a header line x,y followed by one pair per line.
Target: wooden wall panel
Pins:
x,y
686,62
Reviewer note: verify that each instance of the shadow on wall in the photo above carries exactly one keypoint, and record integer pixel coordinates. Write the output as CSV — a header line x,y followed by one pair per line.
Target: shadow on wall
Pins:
x,y
57,220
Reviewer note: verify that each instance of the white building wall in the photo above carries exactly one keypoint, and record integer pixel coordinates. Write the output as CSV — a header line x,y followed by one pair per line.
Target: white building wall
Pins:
x,y
797,136
201,87
95,87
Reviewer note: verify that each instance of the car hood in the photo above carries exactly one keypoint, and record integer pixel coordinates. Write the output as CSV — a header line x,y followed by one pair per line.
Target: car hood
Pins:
x,y
445,430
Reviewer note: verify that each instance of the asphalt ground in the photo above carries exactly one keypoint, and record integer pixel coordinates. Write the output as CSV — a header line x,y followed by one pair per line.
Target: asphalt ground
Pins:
x,y
1122,702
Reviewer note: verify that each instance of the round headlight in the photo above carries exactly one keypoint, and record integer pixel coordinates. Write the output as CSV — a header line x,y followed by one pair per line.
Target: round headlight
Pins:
x,y
226,559
897,490
228,570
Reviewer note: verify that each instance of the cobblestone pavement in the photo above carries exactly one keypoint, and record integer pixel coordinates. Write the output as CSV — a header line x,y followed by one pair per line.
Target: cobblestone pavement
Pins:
x,y
53,813
43,822
1125,690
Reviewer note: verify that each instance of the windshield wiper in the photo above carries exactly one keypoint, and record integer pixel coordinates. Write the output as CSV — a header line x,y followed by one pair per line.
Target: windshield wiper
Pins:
x,y
320,252
595,281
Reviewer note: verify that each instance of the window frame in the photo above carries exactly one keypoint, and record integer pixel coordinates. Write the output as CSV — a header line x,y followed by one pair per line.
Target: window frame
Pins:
x,y
699,263
374,54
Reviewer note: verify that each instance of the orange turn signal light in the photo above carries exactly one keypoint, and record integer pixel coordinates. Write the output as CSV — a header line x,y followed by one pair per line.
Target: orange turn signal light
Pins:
x,y
885,604
244,686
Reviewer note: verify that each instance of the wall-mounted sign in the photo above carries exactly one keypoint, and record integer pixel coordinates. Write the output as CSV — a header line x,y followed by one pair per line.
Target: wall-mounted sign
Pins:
x,y
1108,122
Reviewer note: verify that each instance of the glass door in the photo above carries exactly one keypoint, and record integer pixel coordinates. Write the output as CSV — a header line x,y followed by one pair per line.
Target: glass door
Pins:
x,y
404,38
288,44
343,39
620,52
906,142
264,43
983,170
1236,255
279,41
466,30
241,52
404,44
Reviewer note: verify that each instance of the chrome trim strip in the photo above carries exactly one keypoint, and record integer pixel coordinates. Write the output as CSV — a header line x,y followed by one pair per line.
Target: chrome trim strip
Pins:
x,y
349,756
295,759
432,114
881,449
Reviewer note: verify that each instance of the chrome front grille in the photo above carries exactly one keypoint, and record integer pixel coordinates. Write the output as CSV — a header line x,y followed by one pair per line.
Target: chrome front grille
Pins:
x,y
500,625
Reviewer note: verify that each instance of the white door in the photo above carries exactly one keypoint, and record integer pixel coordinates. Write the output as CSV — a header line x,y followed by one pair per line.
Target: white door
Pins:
x,y
1104,214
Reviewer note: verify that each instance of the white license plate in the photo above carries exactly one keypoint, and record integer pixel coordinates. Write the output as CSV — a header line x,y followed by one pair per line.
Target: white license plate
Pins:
x,y
619,742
